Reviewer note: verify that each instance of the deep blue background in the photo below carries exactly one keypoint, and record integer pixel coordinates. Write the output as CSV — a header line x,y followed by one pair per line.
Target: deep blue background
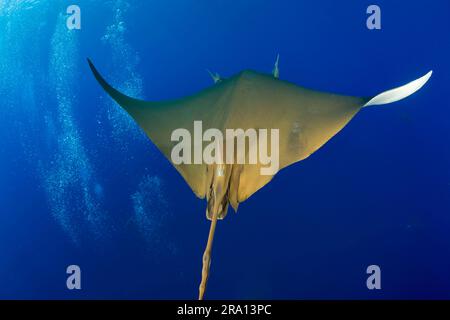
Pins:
x,y
79,183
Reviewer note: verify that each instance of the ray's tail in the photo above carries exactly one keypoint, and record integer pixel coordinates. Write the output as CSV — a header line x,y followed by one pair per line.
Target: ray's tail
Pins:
x,y
207,257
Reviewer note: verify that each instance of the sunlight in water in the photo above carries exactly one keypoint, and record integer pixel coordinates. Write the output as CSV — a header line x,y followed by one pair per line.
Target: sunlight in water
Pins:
x,y
150,208
70,179
41,94
127,79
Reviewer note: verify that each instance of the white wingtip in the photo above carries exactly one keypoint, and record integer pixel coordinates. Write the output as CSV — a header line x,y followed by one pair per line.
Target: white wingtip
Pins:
x,y
399,93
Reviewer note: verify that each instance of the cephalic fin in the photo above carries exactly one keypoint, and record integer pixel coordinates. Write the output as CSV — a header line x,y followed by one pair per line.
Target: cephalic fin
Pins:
x,y
276,70
215,76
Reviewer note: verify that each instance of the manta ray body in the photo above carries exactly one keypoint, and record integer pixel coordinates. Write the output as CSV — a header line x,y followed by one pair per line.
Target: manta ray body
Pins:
x,y
306,120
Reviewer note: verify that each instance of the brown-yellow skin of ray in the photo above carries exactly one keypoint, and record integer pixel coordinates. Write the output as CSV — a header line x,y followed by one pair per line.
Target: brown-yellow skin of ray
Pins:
x,y
306,120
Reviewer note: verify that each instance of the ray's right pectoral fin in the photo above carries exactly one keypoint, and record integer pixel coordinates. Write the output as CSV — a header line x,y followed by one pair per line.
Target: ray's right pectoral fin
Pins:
x,y
399,93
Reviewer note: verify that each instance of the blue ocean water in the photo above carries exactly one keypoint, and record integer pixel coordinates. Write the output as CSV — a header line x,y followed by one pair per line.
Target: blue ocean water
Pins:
x,y
81,184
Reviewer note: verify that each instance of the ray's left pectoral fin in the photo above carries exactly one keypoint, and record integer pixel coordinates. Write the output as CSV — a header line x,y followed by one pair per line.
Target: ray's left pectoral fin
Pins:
x,y
117,96
159,120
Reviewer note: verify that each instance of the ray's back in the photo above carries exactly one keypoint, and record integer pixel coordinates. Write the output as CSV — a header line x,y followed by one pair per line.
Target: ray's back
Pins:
x,y
306,119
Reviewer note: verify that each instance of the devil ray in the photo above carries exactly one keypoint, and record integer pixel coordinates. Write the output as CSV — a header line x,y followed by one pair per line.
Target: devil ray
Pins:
x,y
306,120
